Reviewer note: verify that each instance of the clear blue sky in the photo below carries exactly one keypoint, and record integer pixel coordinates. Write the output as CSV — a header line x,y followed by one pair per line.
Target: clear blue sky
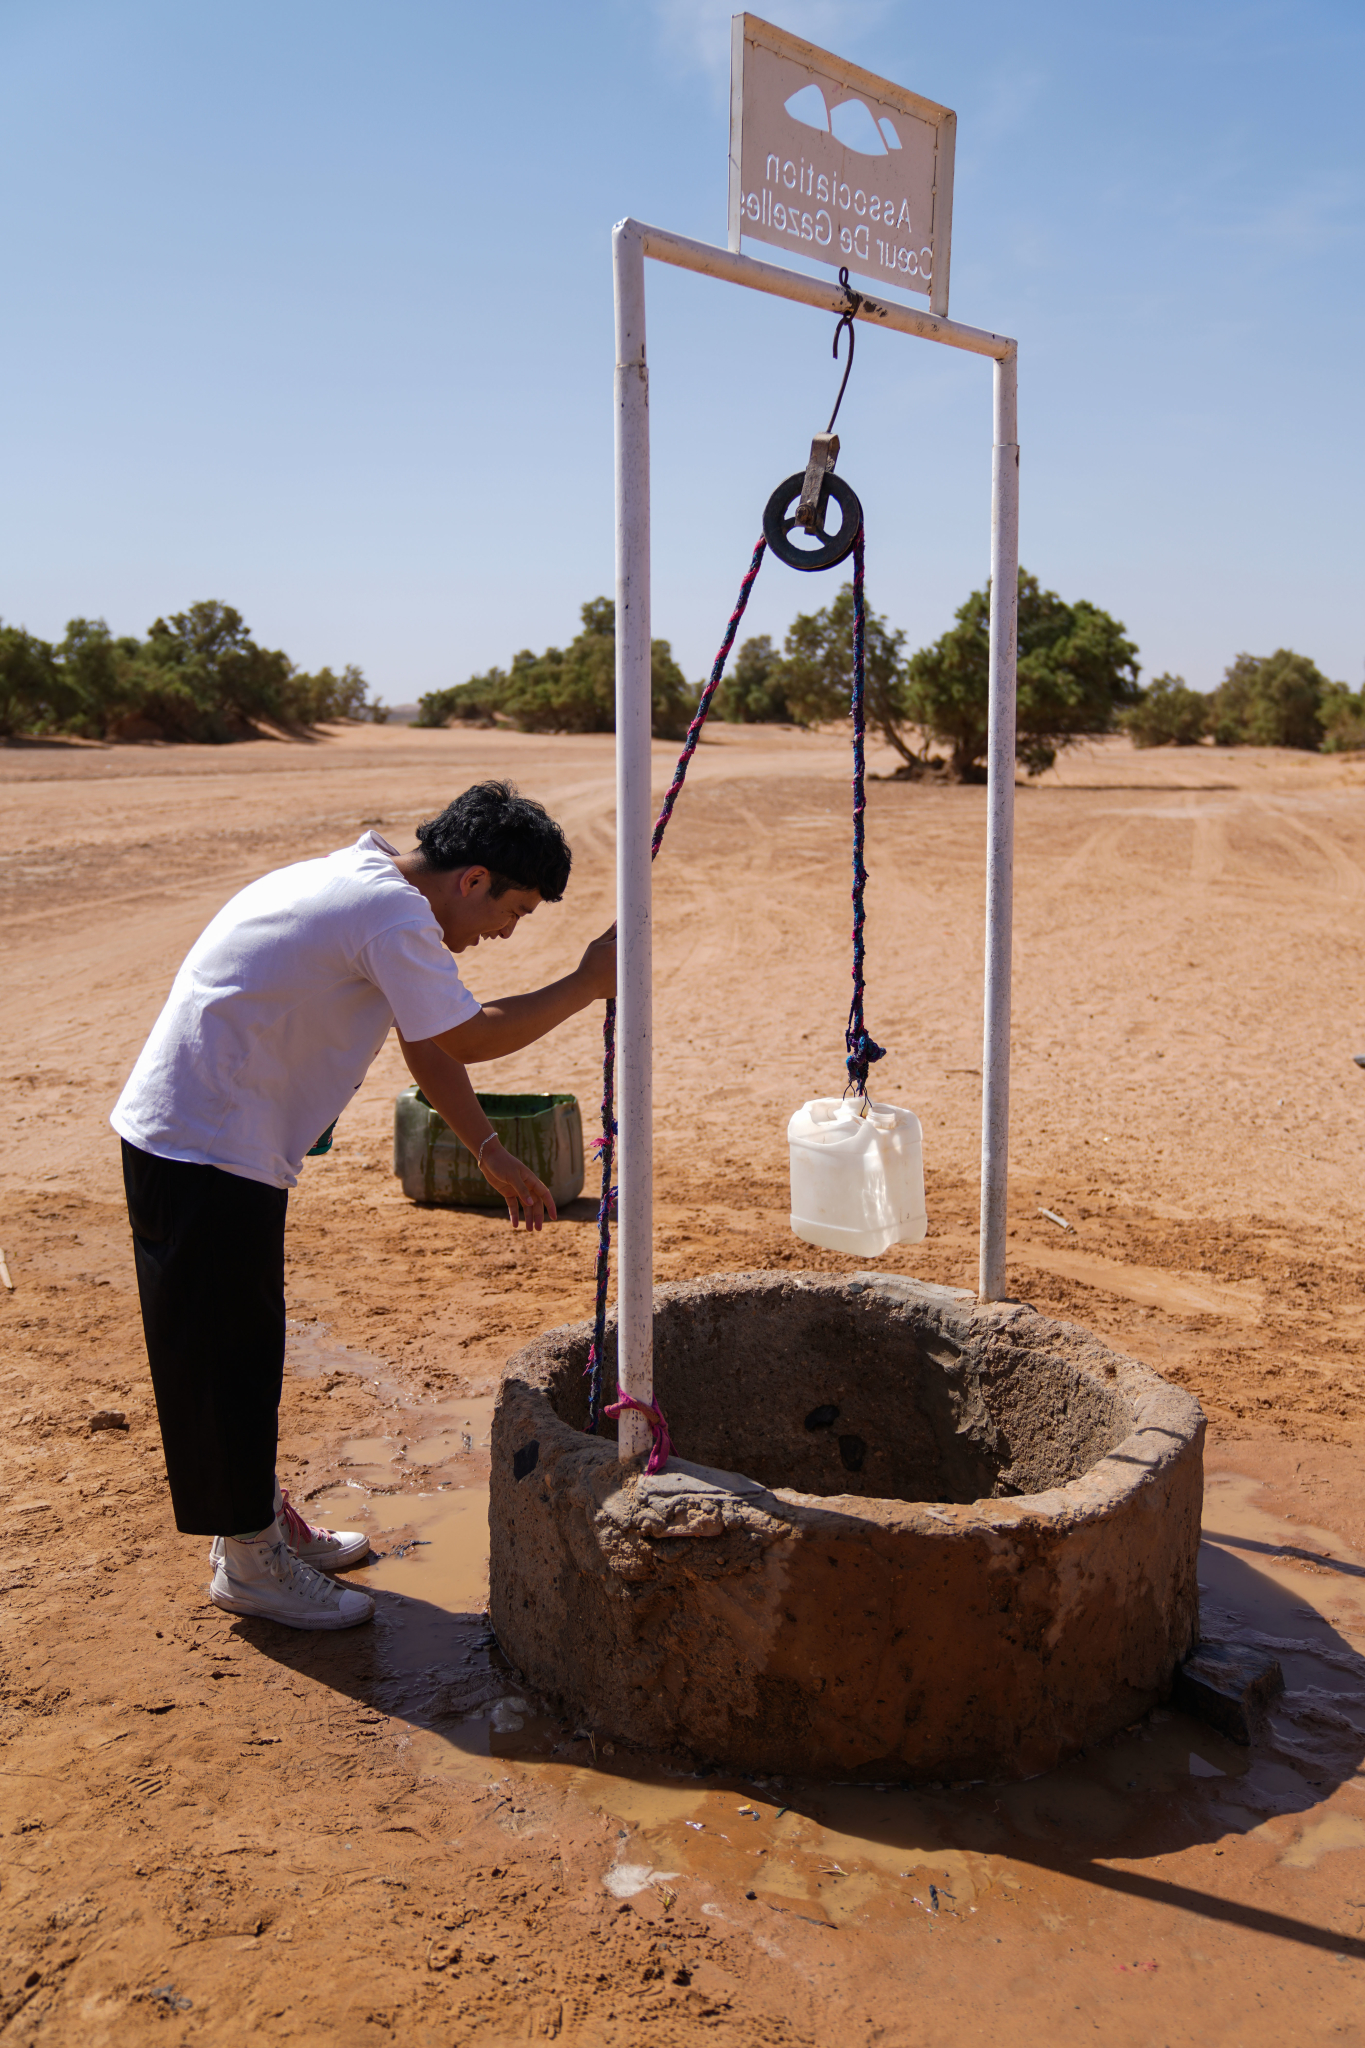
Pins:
x,y
308,308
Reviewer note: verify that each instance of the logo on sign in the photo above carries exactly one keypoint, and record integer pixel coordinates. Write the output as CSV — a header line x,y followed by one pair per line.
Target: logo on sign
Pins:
x,y
835,163
852,122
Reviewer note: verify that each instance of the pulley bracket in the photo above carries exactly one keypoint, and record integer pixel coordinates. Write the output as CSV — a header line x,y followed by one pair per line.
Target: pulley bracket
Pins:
x,y
824,453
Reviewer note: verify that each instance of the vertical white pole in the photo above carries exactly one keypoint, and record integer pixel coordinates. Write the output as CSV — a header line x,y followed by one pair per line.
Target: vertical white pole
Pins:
x,y
634,821
1004,648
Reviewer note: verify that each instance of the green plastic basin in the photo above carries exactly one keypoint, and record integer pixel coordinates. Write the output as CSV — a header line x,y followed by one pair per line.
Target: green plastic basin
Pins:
x,y
545,1132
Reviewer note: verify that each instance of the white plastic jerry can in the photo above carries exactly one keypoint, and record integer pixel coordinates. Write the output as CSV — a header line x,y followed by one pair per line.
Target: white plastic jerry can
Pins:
x,y
857,1181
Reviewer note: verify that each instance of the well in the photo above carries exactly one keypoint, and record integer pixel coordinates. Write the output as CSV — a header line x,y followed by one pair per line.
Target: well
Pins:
x,y
913,1537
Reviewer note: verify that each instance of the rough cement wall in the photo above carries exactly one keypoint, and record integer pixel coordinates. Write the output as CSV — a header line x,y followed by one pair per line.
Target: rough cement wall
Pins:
x,y
777,1611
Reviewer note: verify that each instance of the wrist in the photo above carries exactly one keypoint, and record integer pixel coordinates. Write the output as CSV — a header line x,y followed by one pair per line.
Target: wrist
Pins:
x,y
585,988
489,1141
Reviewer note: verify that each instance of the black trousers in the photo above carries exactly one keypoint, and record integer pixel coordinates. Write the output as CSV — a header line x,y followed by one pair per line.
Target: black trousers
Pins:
x,y
209,1248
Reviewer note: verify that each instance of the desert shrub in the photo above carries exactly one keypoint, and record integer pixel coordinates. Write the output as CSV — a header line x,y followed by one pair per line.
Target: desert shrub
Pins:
x,y
35,696
325,698
1272,700
1343,719
811,681
749,694
201,676
568,689
816,672
1168,713
1077,672
102,674
473,703
197,676
815,675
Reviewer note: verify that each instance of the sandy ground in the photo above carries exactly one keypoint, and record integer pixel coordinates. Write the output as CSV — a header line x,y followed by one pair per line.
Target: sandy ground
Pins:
x,y
213,1829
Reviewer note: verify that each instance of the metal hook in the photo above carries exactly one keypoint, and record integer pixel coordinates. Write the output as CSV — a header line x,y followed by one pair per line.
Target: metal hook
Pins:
x,y
846,319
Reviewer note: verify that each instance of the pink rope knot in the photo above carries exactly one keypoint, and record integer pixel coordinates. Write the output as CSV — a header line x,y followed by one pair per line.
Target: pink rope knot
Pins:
x,y
661,1450
296,1530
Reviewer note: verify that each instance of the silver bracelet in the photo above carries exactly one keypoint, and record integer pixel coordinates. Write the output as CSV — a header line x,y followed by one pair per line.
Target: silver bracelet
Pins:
x,y
478,1156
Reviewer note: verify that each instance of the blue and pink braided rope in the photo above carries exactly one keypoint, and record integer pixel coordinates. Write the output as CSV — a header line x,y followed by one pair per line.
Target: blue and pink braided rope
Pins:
x,y
605,1149
862,1050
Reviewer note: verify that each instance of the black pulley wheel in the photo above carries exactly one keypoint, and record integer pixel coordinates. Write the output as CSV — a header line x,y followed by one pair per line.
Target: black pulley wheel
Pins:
x,y
824,550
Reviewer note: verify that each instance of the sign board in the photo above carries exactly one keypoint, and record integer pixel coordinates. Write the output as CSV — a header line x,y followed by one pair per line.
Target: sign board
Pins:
x,y
828,161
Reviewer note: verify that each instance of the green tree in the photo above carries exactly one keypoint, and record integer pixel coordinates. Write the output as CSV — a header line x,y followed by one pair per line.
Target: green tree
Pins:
x,y
1272,700
473,703
104,675
1168,713
35,696
811,681
325,698
815,675
198,676
750,693
1077,672
568,689
1343,719
204,678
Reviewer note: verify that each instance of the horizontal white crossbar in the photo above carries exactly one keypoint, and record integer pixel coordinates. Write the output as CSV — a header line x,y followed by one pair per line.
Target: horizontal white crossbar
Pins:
x,y
829,296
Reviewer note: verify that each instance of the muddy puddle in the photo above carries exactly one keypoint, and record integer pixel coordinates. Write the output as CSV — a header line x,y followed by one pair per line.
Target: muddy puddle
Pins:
x,y
418,1488
312,1352
830,1853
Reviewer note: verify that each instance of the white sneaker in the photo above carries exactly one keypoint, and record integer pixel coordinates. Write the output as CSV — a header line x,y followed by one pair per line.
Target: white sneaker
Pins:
x,y
327,1550
264,1577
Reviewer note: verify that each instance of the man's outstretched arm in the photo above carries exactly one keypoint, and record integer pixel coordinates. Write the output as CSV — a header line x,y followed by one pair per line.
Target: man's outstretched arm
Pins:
x,y
512,1022
437,1065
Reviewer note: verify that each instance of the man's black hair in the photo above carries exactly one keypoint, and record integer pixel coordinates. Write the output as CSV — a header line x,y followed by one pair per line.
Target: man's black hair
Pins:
x,y
514,837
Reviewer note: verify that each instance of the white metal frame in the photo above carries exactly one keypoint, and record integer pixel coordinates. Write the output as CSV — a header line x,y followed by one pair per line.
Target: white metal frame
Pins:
x,y
632,241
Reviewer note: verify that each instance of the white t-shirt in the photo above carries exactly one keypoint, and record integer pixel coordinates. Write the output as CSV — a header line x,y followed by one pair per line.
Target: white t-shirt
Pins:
x,y
280,1007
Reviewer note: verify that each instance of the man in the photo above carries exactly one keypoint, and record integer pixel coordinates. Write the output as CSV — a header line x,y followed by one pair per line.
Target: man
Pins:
x,y
270,1027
